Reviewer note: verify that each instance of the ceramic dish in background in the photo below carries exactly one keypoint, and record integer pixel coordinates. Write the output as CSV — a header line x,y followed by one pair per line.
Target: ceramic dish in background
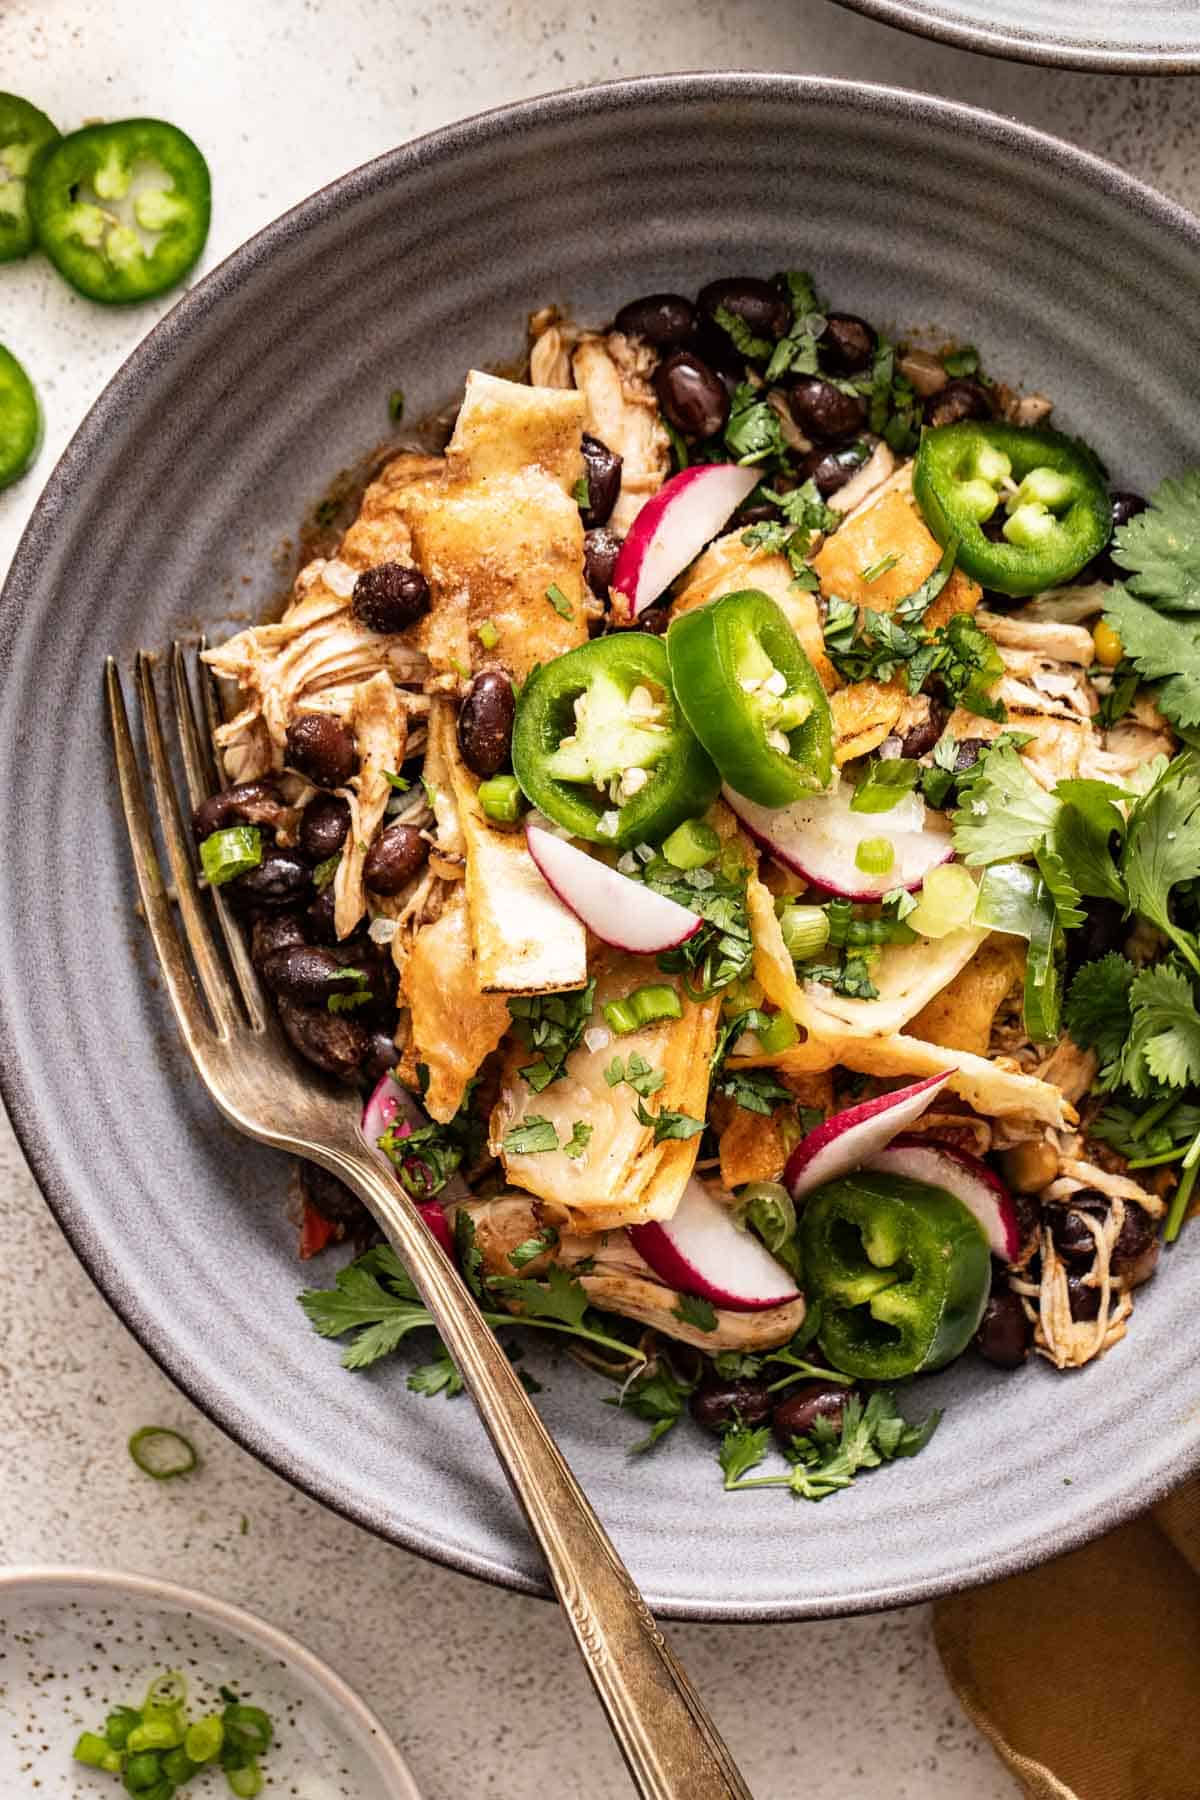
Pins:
x,y
76,1642
166,512
1158,37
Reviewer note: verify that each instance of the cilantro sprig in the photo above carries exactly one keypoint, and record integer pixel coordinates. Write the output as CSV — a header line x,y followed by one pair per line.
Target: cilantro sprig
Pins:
x,y
827,1459
551,1024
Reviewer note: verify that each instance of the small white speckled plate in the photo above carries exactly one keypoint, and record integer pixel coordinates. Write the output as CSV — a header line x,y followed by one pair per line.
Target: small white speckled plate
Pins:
x,y
76,1642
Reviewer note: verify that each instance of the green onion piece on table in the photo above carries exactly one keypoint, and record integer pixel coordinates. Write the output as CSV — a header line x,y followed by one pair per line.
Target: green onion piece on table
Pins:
x,y
164,1455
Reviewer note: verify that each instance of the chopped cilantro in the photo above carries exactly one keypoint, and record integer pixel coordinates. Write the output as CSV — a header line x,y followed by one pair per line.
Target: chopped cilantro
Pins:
x,y
398,782
580,1138
754,432
551,1024
581,493
636,1073
690,1310
437,1377
828,1459
532,1247
531,1136
426,1158
658,1396
396,405
754,349
958,363
667,1124
884,783
325,871
754,1090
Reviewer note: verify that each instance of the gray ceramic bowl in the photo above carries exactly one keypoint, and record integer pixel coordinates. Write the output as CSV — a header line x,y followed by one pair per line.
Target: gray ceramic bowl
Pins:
x,y
165,512
1155,37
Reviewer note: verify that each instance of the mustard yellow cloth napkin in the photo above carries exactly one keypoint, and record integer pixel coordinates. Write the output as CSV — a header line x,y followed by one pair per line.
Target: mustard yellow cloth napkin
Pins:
x,y
1085,1673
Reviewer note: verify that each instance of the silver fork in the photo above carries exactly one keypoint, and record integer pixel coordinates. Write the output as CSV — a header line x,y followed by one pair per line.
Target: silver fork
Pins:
x,y
670,1744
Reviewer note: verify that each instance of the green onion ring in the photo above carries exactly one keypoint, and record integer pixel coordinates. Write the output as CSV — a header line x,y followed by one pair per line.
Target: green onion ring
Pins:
x,y
150,1462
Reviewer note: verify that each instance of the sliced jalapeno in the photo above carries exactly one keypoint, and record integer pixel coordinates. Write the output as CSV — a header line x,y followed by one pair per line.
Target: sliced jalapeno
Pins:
x,y
752,697
24,134
122,210
901,1271
601,746
1047,490
20,419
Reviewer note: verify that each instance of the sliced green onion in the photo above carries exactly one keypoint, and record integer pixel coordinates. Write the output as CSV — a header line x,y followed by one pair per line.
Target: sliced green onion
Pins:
x,y
779,1033
163,1454
1179,1204
119,1724
325,871
489,637
805,930
874,856
144,1772
224,854
162,1731
691,845
178,1766
245,1782
501,799
167,1691
946,903
645,1006
248,1729
205,1739
94,1752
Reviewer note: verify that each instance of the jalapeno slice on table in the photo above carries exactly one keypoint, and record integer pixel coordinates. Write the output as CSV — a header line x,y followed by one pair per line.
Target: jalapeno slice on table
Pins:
x,y
24,134
20,419
1044,490
601,747
752,697
901,1271
122,210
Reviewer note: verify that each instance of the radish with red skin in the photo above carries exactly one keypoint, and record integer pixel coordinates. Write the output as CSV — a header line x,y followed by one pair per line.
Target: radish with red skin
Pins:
x,y
671,530
850,1139
624,913
818,836
704,1252
963,1175
388,1102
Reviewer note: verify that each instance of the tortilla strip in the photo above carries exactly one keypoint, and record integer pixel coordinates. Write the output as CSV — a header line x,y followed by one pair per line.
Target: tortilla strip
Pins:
x,y
454,1025
525,940
961,1016
501,527
621,1175
891,527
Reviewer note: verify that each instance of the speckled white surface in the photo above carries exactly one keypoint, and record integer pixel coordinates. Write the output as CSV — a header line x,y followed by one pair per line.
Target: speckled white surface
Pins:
x,y
481,1687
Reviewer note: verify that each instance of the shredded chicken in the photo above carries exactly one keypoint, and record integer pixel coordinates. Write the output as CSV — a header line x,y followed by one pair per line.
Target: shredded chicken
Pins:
x,y
1067,1342
613,375
1048,640
378,719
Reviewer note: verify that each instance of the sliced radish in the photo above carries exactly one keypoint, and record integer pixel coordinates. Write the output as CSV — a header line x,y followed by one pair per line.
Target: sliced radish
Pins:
x,y
964,1176
702,1251
851,1138
621,912
819,835
671,530
388,1102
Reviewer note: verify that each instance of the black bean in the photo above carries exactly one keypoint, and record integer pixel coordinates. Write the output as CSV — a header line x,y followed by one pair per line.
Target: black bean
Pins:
x,y
921,739
656,619
759,304
275,931
957,401
282,878
323,826
1084,1299
390,597
1004,1334
247,803
485,722
664,320
847,343
692,395
320,917
799,1411
1125,506
394,858
719,1404
968,753
602,471
334,1042
600,550
822,411
322,749
330,1197
373,971
381,1057
830,468
306,974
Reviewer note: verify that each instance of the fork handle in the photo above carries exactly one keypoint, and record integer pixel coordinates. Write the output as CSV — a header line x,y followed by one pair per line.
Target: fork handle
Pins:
x,y
672,1747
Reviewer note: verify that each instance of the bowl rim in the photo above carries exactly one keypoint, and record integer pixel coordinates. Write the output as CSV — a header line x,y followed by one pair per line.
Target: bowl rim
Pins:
x,y
48,1578
1025,47
155,349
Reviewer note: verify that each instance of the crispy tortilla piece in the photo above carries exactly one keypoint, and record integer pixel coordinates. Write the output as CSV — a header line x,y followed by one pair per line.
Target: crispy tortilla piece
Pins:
x,y
501,527
380,533
961,1016
525,940
890,526
455,1025
863,715
728,566
622,1176
754,1148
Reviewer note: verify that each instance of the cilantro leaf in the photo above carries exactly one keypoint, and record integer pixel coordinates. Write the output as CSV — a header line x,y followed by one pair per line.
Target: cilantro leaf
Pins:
x,y
1161,546
1162,848
374,1297
912,608
1161,649
437,1377
470,1256
559,1296
1081,844
425,1159
1164,1044
690,1310
884,784
637,1073
1005,814
754,1090
667,1124
1097,1012
580,1138
754,432
530,1136
658,1397
533,1247
826,1460
723,950
1062,889
754,349
553,1025
742,1449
